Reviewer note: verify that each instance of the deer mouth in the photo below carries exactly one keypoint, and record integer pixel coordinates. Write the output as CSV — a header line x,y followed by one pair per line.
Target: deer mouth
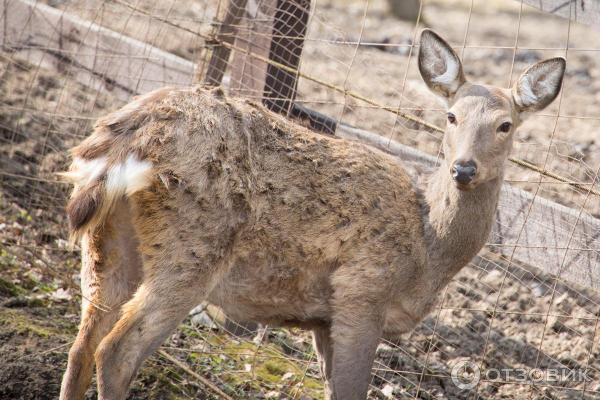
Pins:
x,y
465,187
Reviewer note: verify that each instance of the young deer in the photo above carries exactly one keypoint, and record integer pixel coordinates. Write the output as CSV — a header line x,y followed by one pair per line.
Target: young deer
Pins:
x,y
185,195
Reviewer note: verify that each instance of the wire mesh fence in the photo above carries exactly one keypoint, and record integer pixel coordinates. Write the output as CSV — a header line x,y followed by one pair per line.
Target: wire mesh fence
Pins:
x,y
328,64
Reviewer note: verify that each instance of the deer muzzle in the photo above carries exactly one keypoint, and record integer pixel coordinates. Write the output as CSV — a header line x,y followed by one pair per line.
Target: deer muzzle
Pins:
x,y
463,172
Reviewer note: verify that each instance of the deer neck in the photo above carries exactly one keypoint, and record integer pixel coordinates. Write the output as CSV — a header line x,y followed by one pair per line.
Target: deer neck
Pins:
x,y
457,223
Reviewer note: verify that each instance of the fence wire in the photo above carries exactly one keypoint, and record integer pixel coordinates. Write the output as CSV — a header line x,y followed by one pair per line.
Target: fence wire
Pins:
x,y
355,63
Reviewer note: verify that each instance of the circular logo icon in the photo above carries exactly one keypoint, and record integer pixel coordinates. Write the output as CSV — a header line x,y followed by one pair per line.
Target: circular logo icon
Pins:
x,y
465,374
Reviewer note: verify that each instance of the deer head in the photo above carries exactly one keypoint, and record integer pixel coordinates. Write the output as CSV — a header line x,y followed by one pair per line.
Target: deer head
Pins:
x,y
481,119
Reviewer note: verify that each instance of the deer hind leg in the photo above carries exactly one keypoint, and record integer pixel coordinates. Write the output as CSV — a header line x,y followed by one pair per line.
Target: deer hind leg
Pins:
x,y
324,348
111,271
157,308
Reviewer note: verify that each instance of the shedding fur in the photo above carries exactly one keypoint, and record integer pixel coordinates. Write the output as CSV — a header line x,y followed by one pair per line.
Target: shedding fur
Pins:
x,y
194,196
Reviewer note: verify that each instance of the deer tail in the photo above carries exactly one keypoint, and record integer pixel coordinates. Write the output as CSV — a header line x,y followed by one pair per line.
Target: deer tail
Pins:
x,y
108,165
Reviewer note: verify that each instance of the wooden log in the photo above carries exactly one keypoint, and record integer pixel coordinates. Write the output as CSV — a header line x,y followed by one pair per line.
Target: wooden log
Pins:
x,y
98,57
226,34
289,30
284,20
272,29
254,78
248,73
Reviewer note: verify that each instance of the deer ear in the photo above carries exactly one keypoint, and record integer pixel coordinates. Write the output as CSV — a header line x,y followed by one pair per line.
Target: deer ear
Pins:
x,y
539,85
439,65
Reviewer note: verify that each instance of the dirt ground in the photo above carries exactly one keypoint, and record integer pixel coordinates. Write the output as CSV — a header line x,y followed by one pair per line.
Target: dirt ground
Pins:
x,y
493,314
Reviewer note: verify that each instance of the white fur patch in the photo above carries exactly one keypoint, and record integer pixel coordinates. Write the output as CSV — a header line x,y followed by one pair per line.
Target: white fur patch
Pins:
x,y
129,177
526,94
83,172
452,69
539,84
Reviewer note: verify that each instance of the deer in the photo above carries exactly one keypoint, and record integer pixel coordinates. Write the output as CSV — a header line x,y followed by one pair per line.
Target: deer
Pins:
x,y
187,195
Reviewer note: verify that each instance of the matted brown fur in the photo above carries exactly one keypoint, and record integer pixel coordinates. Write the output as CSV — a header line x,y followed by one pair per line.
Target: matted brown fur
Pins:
x,y
270,215
229,203
228,154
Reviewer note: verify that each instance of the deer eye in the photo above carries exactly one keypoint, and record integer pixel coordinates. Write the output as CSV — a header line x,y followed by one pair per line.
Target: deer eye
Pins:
x,y
505,127
451,118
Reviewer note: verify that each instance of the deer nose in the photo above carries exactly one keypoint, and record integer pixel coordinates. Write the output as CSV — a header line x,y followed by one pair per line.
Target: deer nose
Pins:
x,y
464,171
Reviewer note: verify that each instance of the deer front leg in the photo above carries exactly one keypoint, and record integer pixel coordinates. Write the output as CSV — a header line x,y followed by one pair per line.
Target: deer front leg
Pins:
x,y
354,348
360,294
324,349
